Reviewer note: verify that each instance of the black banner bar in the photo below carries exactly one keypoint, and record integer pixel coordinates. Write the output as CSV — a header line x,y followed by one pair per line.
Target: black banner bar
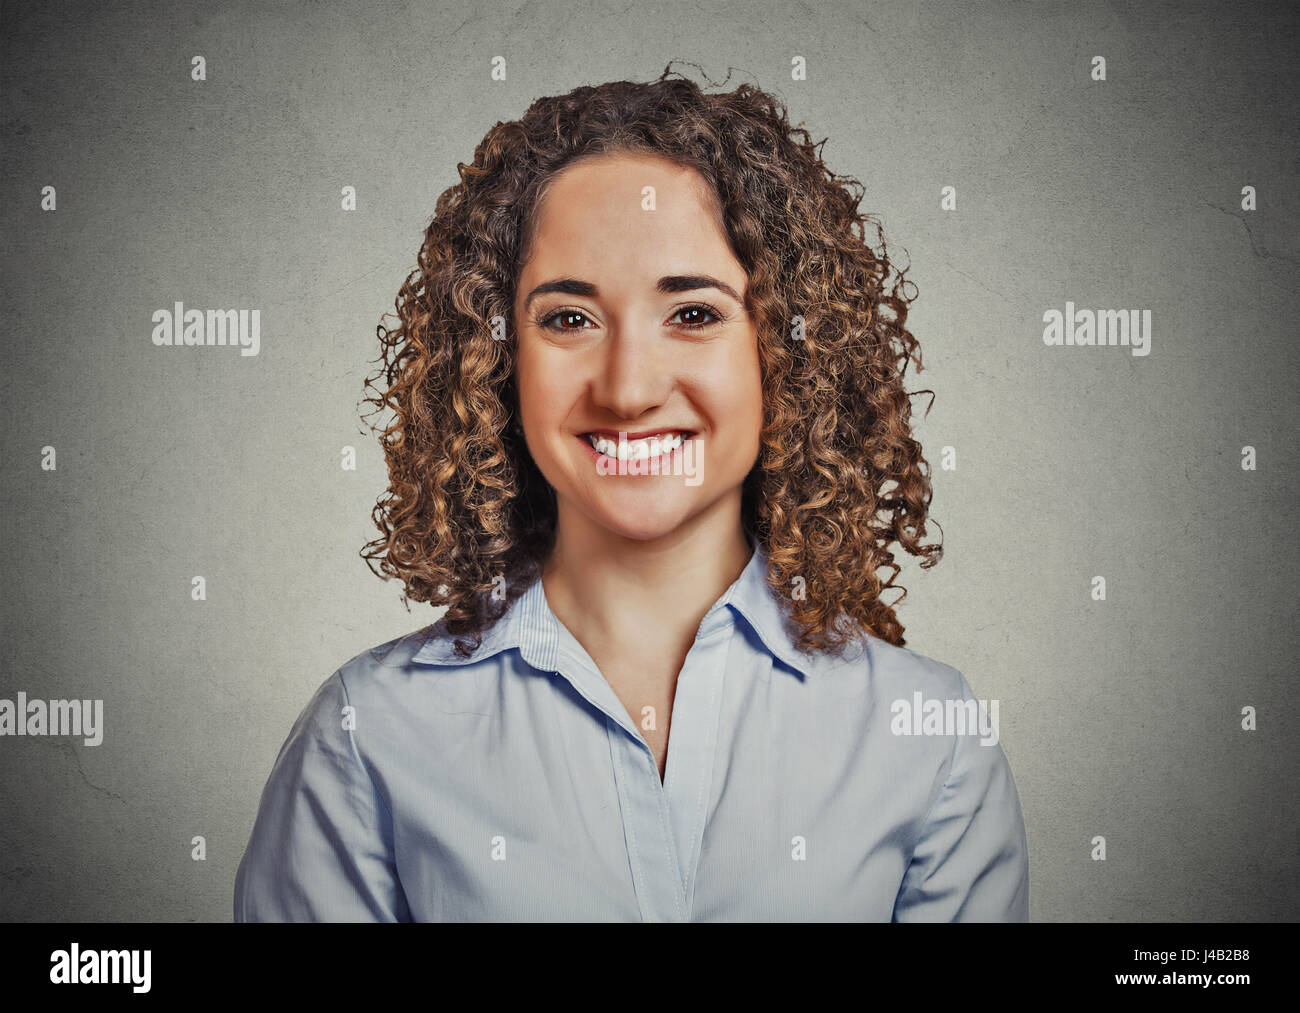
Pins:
x,y
141,961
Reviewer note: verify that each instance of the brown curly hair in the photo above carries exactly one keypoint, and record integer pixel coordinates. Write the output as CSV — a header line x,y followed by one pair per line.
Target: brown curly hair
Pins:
x,y
839,477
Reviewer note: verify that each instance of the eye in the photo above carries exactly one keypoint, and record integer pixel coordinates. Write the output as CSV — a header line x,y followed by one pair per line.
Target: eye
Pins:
x,y
545,321
697,310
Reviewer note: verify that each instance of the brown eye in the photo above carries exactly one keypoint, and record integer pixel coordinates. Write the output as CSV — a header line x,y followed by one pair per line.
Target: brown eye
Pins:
x,y
693,316
547,322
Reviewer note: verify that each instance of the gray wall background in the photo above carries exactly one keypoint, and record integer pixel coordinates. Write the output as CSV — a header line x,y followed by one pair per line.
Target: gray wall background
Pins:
x,y
1120,718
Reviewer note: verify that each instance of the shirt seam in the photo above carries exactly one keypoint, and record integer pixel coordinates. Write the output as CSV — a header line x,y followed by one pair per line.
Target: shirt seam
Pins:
x,y
356,753
943,790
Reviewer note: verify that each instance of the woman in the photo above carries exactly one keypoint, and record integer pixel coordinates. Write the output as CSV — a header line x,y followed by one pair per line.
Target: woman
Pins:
x,y
651,448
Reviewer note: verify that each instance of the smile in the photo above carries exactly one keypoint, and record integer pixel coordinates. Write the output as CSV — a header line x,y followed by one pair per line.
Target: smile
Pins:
x,y
642,448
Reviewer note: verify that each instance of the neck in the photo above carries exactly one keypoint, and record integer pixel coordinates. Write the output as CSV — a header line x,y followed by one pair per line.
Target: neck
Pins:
x,y
608,589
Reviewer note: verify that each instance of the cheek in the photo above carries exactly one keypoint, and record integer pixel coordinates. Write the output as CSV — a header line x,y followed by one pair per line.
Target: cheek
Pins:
x,y
734,390
548,386
533,378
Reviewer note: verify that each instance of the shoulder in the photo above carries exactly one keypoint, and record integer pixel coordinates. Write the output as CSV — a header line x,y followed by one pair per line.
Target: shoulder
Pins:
x,y
885,671
413,690
371,674
932,712
388,665
380,673
914,706
919,693
901,668
397,673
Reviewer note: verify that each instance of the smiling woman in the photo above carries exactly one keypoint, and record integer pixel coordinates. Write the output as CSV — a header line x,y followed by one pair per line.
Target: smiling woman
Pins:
x,y
657,516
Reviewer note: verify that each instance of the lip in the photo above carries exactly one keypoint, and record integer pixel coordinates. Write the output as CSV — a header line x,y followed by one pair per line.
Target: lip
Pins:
x,y
640,435
665,460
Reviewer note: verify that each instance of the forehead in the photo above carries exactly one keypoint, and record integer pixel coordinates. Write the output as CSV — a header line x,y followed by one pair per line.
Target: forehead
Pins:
x,y
627,210
613,179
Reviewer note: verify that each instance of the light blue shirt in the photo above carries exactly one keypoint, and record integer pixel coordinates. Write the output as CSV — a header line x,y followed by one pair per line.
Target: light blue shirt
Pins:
x,y
514,786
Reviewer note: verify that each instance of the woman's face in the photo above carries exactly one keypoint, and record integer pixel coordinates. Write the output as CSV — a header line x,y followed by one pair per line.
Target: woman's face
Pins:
x,y
648,335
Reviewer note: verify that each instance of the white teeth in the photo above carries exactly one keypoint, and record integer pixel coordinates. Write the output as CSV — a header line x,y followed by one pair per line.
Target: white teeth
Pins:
x,y
643,449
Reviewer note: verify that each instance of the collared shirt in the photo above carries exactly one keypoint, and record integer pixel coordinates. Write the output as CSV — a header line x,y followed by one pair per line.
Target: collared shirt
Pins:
x,y
417,785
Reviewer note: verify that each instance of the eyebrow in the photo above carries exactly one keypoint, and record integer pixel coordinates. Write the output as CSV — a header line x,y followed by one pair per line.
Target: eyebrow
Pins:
x,y
668,283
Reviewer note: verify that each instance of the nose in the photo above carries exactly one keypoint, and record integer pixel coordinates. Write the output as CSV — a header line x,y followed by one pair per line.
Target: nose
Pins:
x,y
635,373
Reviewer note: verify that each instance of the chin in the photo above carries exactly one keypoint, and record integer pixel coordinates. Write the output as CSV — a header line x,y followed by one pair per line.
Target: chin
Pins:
x,y
639,518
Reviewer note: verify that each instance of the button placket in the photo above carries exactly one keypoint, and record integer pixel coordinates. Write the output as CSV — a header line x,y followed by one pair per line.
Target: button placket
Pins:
x,y
652,855
692,745
659,832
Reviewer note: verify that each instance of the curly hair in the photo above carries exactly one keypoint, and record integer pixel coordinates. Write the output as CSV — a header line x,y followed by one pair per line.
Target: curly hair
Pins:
x,y
839,477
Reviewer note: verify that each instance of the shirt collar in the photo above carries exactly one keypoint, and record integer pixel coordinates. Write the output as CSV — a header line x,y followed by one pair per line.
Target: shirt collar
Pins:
x,y
531,626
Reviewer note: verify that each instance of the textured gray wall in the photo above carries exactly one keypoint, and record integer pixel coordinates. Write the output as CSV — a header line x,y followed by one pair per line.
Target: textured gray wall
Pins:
x,y
1121,718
